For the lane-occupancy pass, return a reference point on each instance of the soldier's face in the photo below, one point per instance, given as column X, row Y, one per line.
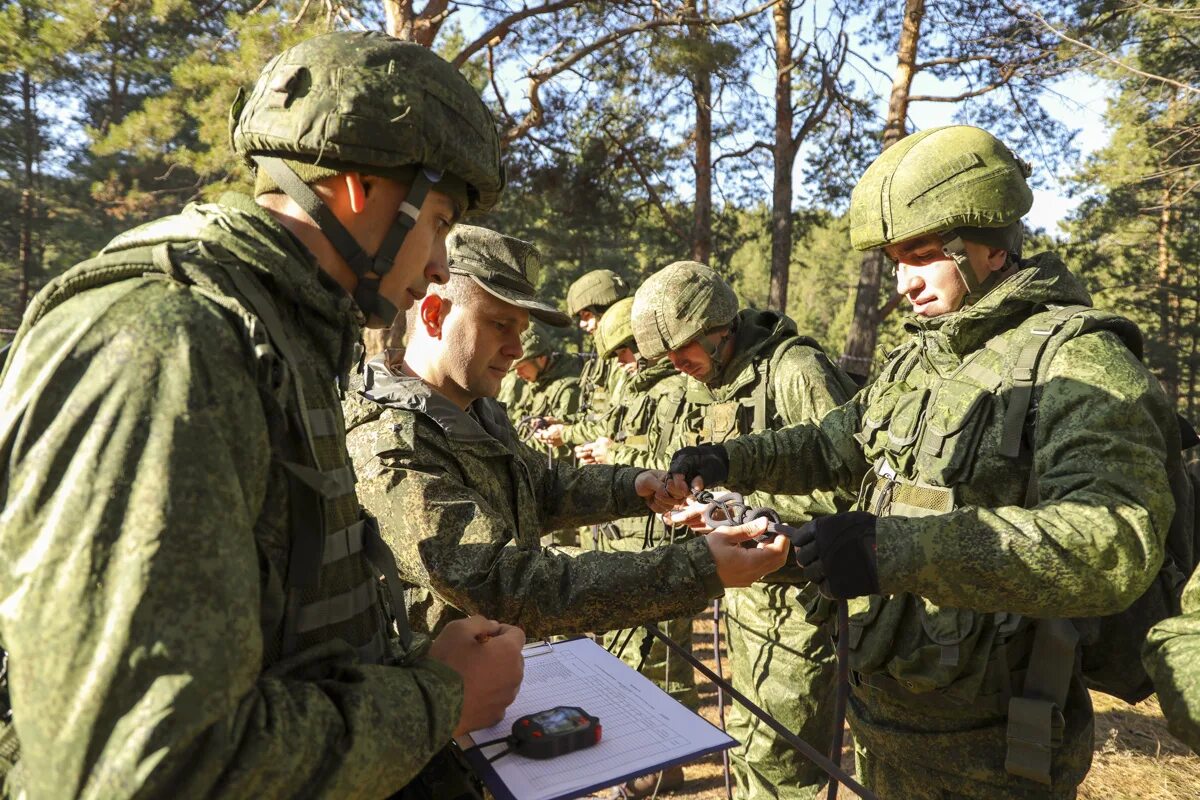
column 929, row 279
column 693, row 359
column 482, row 341
column 588, row 320
column 528, row 369
column 421, row 260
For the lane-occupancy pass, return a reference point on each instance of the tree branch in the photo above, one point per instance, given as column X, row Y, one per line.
column 501, row 29
column 655, row 198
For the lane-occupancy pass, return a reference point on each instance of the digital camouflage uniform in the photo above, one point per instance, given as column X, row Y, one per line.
column 966, row 558
column 188, row 606
column 601, row 377
column 463, row 504
column 554, row 393
column 782, row 662
column 1172, row 658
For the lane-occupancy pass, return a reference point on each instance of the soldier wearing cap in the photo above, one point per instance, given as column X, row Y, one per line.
column 751, row 371
column 190, row 590
column 463, row 503
column 1012, row 460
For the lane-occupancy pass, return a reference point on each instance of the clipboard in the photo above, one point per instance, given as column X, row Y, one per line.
column 645, row 729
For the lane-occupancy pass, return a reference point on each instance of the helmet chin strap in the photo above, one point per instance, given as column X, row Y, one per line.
column 714, row 352
column 955, row 248
column 380, row 312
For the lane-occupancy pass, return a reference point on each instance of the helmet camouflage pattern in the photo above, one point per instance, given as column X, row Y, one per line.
column 599, row 288
column 956, row 180
column 616, row 328
column 366, row 102
column 677, row 304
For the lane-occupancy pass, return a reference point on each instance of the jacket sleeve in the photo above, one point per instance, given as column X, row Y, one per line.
column 446, row 536
column 1172, row 659
column 1091, row 546
column 801, row 458
column 805, row 388
column 133, row 590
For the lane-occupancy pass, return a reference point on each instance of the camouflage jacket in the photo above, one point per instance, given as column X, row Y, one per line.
column 145, row 540
column 555, row 393
column 600, row 385
column 964, row 560
column 652, row 405
column 463, row 504
column 1172, row 658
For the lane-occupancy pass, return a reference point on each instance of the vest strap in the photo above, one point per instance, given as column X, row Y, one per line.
column 1035, row 719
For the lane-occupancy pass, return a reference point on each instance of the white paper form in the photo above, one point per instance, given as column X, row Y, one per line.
column 643, row 728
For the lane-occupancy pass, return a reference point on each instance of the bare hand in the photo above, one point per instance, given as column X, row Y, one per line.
column 594, row 452
column 488, row 656
column 551, row 435
column 691, row 514
column 741, row 566
column 660, row 493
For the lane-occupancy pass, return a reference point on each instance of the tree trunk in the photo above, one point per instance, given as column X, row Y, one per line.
column 29, row 155
column 1166, row 319
column 401, row 21
column 702, row 226
column 785, row 156
column 864, row 326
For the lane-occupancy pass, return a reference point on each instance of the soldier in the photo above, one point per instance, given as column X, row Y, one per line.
column 1172, row 658
column 189, row 588
column 750, row 371
column 552, row 379
column 987, row 499
column 462, row 503
column 587, row 299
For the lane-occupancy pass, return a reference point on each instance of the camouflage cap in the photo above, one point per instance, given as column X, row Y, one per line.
column 677, row 304
column 365, row 101
column 599, row 288
column 505, row 267
column 953, row 179
column 615, row 329
column 535, row 342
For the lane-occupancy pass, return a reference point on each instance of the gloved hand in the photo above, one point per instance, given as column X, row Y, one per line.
column 837, row 553
column 709, row 462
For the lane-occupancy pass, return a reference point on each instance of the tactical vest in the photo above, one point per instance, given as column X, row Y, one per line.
column 648, row 423
column 925, row 440
column 593, row 385
column 330, row 551
column 720, row 421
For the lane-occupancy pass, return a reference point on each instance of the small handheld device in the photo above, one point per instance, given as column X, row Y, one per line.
column 554, row 732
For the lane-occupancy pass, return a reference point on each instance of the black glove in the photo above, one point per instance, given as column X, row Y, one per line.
column 838, row 554
column 709, row 461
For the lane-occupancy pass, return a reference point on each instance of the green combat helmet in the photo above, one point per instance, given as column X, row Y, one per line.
column 534, row 343
column 958, row 181
column 599, row 288
column 366, row 102
column 677, row 304
column 615, row 329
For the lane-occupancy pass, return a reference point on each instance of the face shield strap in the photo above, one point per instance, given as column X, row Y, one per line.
column 410, row 211
column 303, row 195
column 954, row 248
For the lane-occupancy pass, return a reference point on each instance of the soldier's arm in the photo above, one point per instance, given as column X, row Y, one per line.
column 1172, row 659
column 584, row 430
column 801, row 458
column 446, row 536
column 1095, row 539
column 806, row 388
column 133, row 586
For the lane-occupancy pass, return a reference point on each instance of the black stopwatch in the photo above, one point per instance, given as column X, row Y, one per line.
column 554, row 732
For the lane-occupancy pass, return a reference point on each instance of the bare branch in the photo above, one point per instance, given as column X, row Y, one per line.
column 745, row 151
column 497, row 32
column 1115, row 61
column 655, row 197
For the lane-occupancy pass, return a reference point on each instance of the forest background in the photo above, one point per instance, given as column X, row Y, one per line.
column 643, row 132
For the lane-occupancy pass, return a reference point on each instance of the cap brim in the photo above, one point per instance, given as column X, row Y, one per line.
column 537, row 309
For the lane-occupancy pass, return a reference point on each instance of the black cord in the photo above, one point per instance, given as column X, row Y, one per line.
column 502, row 753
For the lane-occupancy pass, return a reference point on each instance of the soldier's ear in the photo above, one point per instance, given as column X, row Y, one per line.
column 432, row 315
column 356, row 191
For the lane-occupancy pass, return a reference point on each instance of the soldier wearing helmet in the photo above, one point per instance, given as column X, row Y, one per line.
column 552, row 377
column 587, row 300
column 750, row 371
column 190, row 587
column 1010, row 462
